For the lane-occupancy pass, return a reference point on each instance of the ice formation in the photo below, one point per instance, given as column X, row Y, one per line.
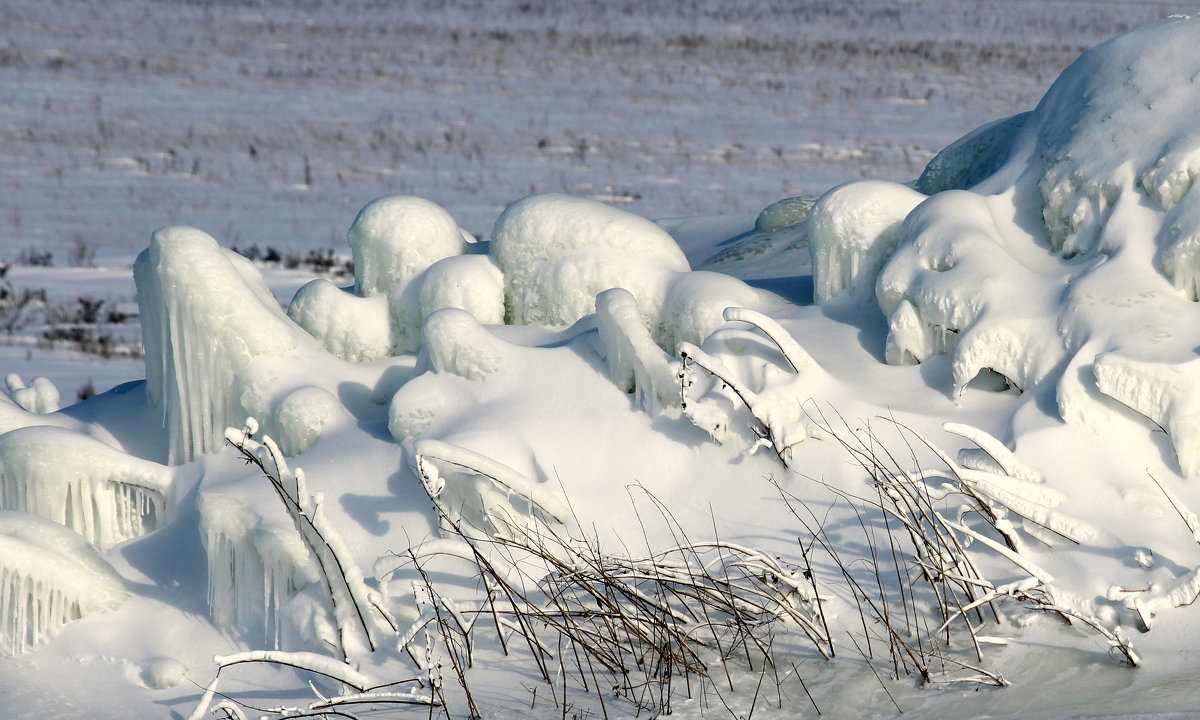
column 407, row 264
column 354, row 328
column 49, row 576
column 397, row 237
column 853, row 230
column 558, row 252
column 99, row 492
column 635, row 363
column 205, row 315
column 1073, row 240
column 254, row 568
column 421, row 401
column 455, row 342
column 39, row 397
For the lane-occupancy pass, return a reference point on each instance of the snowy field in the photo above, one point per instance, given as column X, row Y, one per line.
column 908, row 445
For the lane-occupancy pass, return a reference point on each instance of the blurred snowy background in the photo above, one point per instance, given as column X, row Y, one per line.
column 274, row 122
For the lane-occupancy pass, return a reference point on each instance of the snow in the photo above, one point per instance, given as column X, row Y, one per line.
column 907, row 440
column 1070, row 251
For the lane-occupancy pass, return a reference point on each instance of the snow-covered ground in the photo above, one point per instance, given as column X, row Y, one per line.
column 882, row 450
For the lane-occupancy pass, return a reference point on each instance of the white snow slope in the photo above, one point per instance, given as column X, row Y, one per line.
column 944, row 466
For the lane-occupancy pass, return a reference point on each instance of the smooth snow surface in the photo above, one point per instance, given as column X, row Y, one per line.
column 903, row 441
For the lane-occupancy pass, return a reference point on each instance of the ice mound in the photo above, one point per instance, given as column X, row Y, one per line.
column 397, row 237
column 40, row 396
column 205, row 315
column 455, row 342
column 353, row 328
column 99, row 492
column 472, row 283
column 49, row 576
column 558, row 252
column 1074, row 238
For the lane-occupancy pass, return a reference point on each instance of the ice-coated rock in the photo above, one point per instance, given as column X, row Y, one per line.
column 971, row 158
column 784, row 213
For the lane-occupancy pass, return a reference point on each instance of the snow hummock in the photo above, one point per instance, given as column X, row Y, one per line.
column 49, row 576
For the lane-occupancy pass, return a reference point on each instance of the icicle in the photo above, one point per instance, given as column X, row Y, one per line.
column 252, row 570
column 49, row 576
column 77, row 481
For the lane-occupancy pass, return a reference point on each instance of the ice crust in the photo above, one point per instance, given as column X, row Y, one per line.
column 1051, row 239
column 49, row 576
